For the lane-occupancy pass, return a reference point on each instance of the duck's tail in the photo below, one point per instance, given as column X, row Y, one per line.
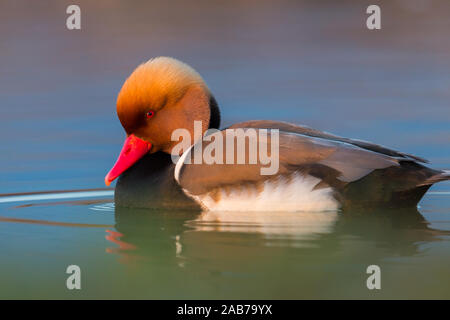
column 441, row 176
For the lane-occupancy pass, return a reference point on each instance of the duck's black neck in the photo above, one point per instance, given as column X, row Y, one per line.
column 214, row 120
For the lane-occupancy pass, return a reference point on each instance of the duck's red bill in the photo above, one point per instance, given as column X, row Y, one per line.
column 133, row 149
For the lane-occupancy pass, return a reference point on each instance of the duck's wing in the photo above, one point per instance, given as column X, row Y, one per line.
column 333, row 163
column 304, row 130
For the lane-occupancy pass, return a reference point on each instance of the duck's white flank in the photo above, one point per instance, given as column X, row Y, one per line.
column 295, row 194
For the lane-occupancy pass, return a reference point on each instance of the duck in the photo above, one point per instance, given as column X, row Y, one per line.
column 316, row 170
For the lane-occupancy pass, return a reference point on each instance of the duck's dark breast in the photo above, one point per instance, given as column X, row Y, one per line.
column 150, row 183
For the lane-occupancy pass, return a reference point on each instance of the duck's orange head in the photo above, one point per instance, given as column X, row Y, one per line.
column 160, row 96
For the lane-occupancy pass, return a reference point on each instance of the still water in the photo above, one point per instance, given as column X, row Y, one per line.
column 297, row 61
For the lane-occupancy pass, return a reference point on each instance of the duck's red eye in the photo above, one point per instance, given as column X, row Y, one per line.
column 150, row 114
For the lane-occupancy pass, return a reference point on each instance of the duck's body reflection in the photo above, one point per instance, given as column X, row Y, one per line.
column 286, row 255
column 296, row 225
column 400, row 230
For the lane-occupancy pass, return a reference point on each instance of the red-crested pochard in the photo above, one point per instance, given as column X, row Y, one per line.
column 316, row 170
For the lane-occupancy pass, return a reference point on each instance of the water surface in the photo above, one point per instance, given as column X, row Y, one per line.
column 302, row 62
